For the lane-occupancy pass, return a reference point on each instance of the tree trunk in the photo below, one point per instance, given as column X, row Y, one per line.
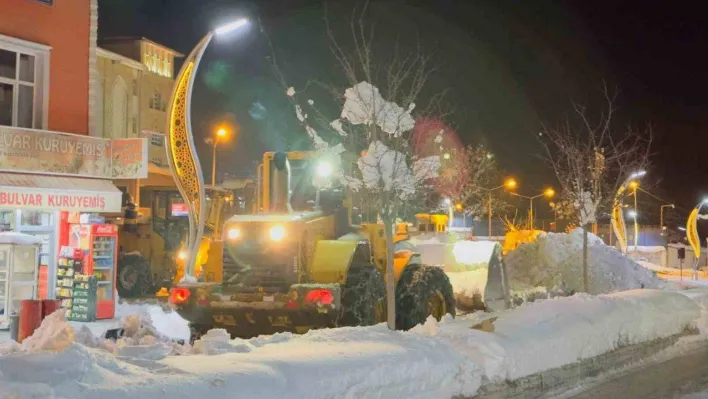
column 390, row 284
column 586, row 286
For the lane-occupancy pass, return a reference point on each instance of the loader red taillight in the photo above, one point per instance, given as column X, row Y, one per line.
column 179, row 295
column 324, row 297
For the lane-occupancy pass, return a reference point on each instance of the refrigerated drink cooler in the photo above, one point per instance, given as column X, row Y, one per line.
column 99, row 245
column 19, row 257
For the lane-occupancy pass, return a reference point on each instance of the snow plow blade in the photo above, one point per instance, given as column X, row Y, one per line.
column 476, row 270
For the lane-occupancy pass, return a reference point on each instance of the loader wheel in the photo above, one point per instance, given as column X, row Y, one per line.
column 196, row 331
column 422, row 291
column 364, row 296
column 134, row 278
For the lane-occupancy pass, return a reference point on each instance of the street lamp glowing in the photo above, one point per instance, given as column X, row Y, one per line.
column 221, row 133
column 510, row 183
column 448, row 202
column 638, row 174
column 231, row 26
column 549, row 192
column 633, row 184
column 446, row 155
column 458, row 206
column 632, row 214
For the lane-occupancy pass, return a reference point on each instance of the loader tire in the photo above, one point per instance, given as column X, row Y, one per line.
column 422, row 291
column 134, row 279
column 364, row 297
column 196, row 331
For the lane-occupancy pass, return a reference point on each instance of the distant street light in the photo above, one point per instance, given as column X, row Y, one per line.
column 661, row 216
column 509, row 184
column 549, row 193
column 214, row 141
column 634, row 185
column 618, row 224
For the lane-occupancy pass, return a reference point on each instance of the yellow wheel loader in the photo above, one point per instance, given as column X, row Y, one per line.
column 151, row 240
column 299, row 264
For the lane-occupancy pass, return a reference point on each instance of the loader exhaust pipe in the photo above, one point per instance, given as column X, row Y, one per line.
column 281, row 183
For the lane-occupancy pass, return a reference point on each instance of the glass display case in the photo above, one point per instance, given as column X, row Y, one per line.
column 43, row 225
column 19, row 255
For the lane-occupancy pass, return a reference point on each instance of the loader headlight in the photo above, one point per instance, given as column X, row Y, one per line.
column 324, row 169
column 233, row 234
column 277, row 233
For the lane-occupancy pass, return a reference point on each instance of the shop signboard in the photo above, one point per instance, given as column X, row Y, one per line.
column 41, row 198
column 129, row 158
column 179, row 209
column 47, row 152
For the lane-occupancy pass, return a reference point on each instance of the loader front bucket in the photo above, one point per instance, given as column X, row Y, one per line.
column 476, row 270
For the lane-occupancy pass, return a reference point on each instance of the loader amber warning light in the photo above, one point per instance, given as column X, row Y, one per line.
column 179, row 295
column 323, row 297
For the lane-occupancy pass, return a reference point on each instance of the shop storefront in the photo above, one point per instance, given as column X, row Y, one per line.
column 47, row 179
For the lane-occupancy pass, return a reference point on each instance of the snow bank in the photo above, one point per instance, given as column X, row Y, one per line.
column 165, row 321
column 555, row 260
column 561, row 331
column 370, row 362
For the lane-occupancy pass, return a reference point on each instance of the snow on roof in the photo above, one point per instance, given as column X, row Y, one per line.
column 10, row 237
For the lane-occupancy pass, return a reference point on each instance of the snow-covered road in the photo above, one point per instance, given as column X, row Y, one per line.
column 683, row 377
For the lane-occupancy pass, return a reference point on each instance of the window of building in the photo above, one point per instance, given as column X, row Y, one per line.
column 157, row 140
column 157, row 102
column 157, row 60
column 22, row 88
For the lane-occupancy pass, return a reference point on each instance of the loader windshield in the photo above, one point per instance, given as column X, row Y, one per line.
column 303, row 191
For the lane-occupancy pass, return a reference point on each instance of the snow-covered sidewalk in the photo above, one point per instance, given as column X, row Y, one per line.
column 436, row 360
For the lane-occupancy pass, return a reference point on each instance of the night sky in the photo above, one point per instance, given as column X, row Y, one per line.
column 508, row 65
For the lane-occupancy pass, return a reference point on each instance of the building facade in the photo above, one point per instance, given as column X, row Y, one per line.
column 44, row 65
column 135, row 80
column 53, row 164
column 136, row 77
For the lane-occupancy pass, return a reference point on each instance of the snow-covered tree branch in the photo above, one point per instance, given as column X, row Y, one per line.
column 369, row 140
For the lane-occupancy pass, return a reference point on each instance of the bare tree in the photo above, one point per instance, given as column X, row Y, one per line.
column 465, row 178
column 370, row 141
column 592, row 159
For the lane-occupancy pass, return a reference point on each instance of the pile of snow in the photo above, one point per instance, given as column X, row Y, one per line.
column 56, row 334
column 656, row 268
column 434, row 360
column 469, row 288
column 555, row 260
column 166, row 321
column 556, row 332
column 370, row 362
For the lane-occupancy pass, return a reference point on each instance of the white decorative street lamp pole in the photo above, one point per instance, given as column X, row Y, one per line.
column 181, row 151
